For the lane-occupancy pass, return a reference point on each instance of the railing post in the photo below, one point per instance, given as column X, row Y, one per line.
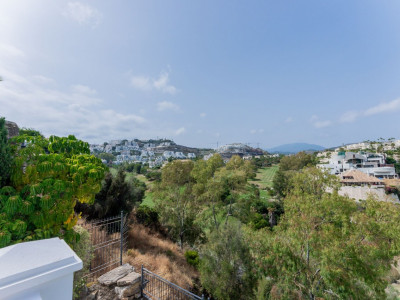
column 122, row 237
column 142, row 284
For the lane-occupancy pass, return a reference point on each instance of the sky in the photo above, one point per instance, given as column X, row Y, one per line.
column 203, row 72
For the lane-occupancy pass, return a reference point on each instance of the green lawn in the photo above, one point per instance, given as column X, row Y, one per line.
column 148, row 199
column 148, row 196
column 265, row 176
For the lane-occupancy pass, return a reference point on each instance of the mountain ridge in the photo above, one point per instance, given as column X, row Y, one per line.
column 295, row 148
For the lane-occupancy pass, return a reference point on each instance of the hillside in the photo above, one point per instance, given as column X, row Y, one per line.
column 227, row 151
column 295, row 147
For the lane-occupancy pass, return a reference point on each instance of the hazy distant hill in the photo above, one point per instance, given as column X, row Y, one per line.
column 295, row 147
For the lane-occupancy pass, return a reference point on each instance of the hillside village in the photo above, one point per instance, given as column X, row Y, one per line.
column 155, row 153
column 365, row 168
column 152, row 152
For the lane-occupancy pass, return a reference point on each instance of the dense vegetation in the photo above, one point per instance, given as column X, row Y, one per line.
column 249, row 236
column 303, row 243
column 48, row 176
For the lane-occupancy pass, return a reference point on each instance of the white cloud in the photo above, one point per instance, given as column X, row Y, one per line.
column 383, row 108
column 349, row 116
column 8, row 50
column 321, row 124
column 43, row 79
column 318, row 123
column 289, row 120
column 161, row 83
column 83, row 14
column 180, row 131
column 254, row 131
column 78, row 110
column 203, row 115
column 166, row 105
column 83, row 89
column 141, row 83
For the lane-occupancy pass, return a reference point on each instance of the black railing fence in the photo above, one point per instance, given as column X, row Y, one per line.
column 157, row 288
column 109, row 240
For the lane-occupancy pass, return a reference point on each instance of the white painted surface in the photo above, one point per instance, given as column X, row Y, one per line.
column 38, row 270
column 363, row 192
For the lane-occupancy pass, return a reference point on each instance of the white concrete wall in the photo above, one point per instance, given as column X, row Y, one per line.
column 362, row 193
column 38, row 270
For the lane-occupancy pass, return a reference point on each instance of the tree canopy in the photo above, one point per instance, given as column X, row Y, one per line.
column 48, row 177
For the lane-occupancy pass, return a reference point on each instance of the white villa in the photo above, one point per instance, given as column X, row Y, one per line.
column 369, row 163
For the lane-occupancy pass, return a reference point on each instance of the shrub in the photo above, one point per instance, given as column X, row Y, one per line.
column 147, row 216
column 192, row 257
column 84, row 249
column 153, row 176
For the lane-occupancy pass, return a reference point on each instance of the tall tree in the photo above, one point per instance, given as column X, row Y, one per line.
column 116, row 194
column 226, row 268
column 176, row 203
column 5, row 154
column 327, row 246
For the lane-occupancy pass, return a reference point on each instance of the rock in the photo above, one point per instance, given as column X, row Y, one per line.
column 12, row 128
column 113, row 276
column 92, row 296
column 119, row 291
column 132, row 289
column 129, row 279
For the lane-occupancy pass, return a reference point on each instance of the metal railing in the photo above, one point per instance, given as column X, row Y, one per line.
column 157, row 288
column 109, row 239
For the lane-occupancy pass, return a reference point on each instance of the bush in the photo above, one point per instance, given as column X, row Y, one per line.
column 84, row 249
column 192, row 257
column 147, row 216
column 153, row 176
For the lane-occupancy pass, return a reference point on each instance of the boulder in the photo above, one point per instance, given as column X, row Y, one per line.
column 113, row 276
column 129, row 279
column 12, row 128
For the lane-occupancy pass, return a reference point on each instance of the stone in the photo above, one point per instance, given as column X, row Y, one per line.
column 92, row 296
column 119, row 291
column 113, row 276
column 12, row 128
column 129, row 279
column 132, row 289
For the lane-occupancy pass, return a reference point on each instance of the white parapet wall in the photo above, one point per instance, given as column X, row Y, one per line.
column 38, row 270
column 363, row 192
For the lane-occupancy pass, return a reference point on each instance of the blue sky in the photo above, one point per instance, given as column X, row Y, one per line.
column 202, row 72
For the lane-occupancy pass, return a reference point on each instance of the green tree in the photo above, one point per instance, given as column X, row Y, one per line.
column 327, row 246
column 296, row 162
column 116, row 194
column 30, row 132
column 48, row 177
column 226, row 268
column 176, row 203
column 106, row 156
column 5, row 154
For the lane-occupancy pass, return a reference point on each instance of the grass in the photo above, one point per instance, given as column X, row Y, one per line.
column 265, row 176
column 160, row 256
column 148, row 196
column 148, row 199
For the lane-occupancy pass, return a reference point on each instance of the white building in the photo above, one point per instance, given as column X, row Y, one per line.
column 191, row 155
column 369, row 163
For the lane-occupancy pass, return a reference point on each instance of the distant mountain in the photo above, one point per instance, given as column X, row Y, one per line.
column 294, row 148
